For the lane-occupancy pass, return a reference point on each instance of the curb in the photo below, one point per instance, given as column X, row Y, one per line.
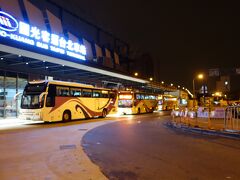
column 202, row 131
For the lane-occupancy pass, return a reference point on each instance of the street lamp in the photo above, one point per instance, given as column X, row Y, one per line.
column 136, row 74
column 150, row 78
column 199, row 76
column 226, row 89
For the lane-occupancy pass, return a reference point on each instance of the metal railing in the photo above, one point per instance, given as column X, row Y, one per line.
column 232, row 118
column 220, row 118
column 203, row 117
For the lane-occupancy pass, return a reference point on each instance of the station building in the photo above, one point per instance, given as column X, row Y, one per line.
column 40, row 40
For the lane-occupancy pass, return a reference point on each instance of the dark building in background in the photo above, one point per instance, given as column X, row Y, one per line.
column 225, row 80
column 142, row 64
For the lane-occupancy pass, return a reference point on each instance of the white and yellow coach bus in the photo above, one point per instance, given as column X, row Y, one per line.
column 64, row 101
column 130, row 102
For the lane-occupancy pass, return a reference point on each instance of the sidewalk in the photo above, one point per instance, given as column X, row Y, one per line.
column 4, row 121
column 13, row 122
column 52, row 152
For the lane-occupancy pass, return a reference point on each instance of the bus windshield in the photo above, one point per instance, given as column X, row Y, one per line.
column 30, row 98
column 124, row 103
column 30, row 102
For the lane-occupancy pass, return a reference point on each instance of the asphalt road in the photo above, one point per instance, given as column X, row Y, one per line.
column 142, row 147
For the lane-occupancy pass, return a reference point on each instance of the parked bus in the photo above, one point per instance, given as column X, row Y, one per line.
column 167, row 102
column 130, row 102
column 63, row 101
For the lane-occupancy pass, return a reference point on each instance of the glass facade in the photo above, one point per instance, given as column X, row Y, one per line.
column 11, row 84
column 2, row 96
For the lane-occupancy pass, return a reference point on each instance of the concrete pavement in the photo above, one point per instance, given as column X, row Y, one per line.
column 48, row 153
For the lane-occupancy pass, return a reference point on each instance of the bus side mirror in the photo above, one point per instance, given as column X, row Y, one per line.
column 112, row 95
column 41, row 96
column 16, row 96
column 135, row 102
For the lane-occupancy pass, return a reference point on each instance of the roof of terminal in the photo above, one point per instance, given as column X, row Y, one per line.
column 24, row 61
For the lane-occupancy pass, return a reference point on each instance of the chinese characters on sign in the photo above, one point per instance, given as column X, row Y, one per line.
column 31, row 35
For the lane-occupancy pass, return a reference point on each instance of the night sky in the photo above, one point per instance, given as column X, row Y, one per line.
column 183, row 37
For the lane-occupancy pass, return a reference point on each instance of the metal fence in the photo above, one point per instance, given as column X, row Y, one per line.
column 218, row 118
column 232, row 118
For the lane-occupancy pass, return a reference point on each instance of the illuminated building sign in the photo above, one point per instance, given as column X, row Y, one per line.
column 22, row 32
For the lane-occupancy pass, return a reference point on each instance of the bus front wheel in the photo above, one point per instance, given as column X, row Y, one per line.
column 151, row 110
column 104, row 113
column 66, row 116
column 139, row 111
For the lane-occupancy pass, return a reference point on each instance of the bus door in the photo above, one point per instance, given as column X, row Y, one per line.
column 96, row 104
column 96, row 96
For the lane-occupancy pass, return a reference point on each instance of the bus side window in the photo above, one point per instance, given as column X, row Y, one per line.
column 59, row 92
column 63, row 91
column 50, row 100
column 86, row 93
column 75, row 92
column 152, row 97
column 104, row 94
column 96, row 93
column 138, row 96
